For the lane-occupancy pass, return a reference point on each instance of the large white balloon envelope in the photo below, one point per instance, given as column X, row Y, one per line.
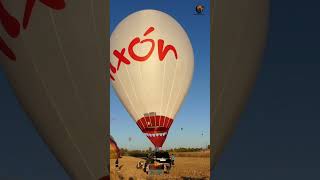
column 151, row 68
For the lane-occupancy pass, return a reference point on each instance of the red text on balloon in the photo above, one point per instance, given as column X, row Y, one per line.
column 162, row 51
column 12, row 25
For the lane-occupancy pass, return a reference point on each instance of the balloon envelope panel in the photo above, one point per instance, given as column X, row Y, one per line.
column 239, row 34
column 59, row 78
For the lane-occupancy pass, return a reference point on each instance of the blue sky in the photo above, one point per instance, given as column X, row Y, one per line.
column 194, row 115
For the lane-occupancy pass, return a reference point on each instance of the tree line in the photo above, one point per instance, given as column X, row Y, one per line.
column 144, row 153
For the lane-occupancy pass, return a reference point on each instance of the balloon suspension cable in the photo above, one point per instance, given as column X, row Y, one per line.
column 157, row 149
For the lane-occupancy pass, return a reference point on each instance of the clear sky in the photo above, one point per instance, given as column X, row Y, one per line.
column 278, row 134
column 194, row 115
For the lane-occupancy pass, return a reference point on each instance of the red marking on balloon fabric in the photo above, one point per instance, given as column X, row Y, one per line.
column 10, row 23
column 6, row 50
column 163, row 52
column 54, row 4
column 136, row 41
column 148, row 31
column 12, row 27
column 121, row 57
column 111, row 77
column 112, row 68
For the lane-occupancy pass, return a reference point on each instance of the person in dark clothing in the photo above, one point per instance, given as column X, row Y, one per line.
column 172, row 159
column 117, row 163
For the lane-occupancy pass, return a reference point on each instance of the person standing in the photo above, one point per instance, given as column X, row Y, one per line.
column 172, row 159
column 117, row 164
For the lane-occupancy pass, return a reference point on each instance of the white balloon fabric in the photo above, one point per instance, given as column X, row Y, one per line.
column 238, row 39
column 54, row 54
column 151, row 68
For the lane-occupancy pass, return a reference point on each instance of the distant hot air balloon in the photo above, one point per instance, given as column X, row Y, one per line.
column 114, row 149
column 151, row 70
column 238, row 40
column 54, row 54
column 199, row 9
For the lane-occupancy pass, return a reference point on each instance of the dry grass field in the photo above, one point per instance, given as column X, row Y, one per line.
column 195, row 166
column 205, row 154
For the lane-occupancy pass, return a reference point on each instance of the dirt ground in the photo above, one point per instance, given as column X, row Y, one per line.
column 185, row 168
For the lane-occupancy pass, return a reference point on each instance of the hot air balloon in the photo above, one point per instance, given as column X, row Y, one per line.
column 199, row 9
column 238, row 40
column 54, row 55
column 151, row 68
column 114, row 149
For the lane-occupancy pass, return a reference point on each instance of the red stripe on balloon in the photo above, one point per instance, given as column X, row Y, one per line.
column 157, row 131
column 157, row 120
column 140, row 125
column 170, row 123
column 153, row 121
column 143, row 121
column 166, row 122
